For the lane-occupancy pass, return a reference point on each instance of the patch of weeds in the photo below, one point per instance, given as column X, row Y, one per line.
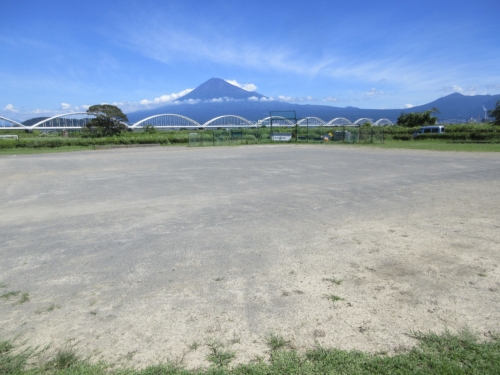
column 93, row 312
column 49, row 308
column 482, row 274
column 333, row 280
column 257, row 359
column 130, row 355
column 333, row 297
column 236, row 339
column 8, row 295
column 25, row 297
column 292, row 272
column 3, row 285
column 276, row 342
column 218, row 356
column 13, row 362
column 64, row 359
column 194, row 346
column 219, row 279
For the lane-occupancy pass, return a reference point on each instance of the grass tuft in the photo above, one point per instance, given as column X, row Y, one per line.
column 333, row 280
column 218, row 356
column 49, row 308
column 25, row 297
column 8, row 295
column 64, row 359
column 276, row 342
column 333, row 297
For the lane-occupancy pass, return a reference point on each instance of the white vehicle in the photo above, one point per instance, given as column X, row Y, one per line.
column 429, row 129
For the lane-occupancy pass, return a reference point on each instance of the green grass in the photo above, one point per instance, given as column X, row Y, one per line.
column 333, row 297
column 25, row 297
column 49, row 308
column 333, row 280
column 64, row 359
column 436, row 145
column 461, row 353
column 43, row 150
column 217, row 356
column 8, row 295
column 275, row 342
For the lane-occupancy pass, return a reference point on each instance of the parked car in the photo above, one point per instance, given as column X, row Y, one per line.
column 429, row 129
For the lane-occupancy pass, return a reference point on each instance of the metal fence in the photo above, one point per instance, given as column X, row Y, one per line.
column 337, row 134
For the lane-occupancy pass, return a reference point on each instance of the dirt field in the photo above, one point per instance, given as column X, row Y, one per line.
column 137, row 255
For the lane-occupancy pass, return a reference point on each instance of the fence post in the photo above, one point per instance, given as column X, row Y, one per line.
column 371, row 135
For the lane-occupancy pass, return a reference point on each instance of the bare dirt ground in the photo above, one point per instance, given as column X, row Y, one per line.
column 136, row 255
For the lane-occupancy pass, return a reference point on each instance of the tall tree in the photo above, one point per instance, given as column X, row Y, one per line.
column 418, row 118
column 495, row 113
column 109, row 119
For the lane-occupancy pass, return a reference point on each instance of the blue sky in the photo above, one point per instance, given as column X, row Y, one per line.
column 61, row 56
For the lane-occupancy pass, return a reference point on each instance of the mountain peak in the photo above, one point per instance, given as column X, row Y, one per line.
column 217, row 88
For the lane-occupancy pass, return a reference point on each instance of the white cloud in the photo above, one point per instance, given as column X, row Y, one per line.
column 253, row 98
column 10, row 108
column 190, row 101
column 245, row 86
column 330, row 99
column 455, row 88
column 409, row 105
column 282, row 98
column 65, row 106
column 264, row 99
column 165, row 98
column 470, row 90
column 374, row 91
column 371, row 92
column 216, row 100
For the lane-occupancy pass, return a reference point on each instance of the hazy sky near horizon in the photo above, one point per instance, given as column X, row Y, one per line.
column 60, row 56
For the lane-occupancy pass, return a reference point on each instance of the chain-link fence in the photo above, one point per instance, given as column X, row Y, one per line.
column 336, row 134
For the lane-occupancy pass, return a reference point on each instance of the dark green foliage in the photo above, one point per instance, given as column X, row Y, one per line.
column 418, row 118
column 372, row 134
column 109, row 120
column 495, row 113
column 460, row 136
column 150, row 129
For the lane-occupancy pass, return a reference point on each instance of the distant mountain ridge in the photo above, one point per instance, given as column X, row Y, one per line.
column 217, row 97
column 453, row 107
column 216, row 88
column 33, row 121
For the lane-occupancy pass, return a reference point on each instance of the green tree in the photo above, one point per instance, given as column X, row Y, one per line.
column 109, row 120
column 495, row 113
column 414, row 119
